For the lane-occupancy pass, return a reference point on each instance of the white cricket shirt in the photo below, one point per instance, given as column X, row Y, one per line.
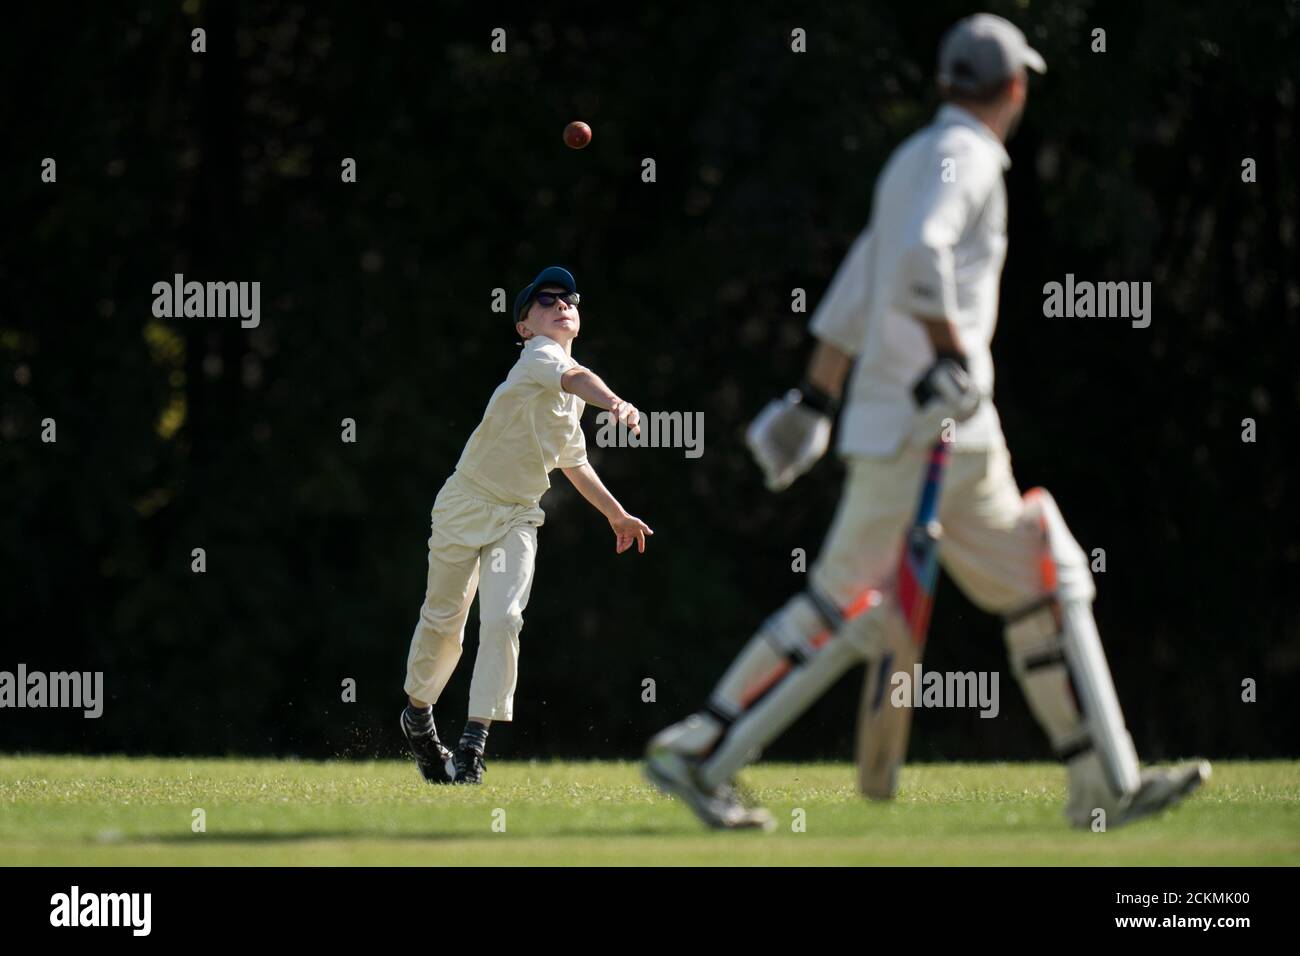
column 531, row 427
column 934, row 246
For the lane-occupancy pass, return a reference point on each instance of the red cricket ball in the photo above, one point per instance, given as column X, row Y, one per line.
column 577, row 135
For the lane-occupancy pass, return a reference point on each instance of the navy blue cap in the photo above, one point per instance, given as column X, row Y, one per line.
column 551, row 275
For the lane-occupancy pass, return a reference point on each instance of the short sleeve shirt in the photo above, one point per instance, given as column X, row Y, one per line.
column 531, row 426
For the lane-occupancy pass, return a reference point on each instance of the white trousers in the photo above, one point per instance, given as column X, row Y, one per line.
column 1005, row 551
column 993, row 544
column 475, row 544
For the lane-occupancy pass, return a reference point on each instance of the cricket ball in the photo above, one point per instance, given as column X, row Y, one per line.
column 577, row 135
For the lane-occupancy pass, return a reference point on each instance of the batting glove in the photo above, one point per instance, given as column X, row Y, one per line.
column 944, row 392
column 789, row 436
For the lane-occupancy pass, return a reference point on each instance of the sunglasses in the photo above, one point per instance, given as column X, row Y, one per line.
column 548, row 299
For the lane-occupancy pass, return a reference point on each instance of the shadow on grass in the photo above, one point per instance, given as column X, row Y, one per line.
column 258, row 836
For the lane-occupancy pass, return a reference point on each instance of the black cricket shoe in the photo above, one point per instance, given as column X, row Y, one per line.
column 432, row 759
column 469, row 765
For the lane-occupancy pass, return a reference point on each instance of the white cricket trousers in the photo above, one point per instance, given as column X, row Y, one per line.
column 475, row 544
column 993, row 544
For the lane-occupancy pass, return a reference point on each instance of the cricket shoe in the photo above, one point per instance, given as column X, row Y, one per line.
column 468, row 765
column 432, row 759
column 720, row 808
column 1161, row 788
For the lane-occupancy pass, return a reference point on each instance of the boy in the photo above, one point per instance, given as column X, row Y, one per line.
column 485, row 522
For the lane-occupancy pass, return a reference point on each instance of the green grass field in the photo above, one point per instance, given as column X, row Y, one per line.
column 120, row 811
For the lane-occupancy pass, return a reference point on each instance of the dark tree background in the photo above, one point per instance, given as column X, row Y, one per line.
column 225, row 165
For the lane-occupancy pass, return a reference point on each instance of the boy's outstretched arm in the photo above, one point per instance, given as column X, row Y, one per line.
column 591, row 388
column 626, row 527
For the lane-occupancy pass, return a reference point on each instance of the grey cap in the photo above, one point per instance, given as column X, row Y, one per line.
column 982, row 51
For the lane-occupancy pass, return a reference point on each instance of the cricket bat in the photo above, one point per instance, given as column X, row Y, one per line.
column 883, row 728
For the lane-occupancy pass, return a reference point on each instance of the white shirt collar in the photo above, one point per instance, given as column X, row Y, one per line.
column 537, row 341
column 951, row 113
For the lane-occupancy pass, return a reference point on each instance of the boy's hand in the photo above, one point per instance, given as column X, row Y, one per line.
column 625, row 413
column 628, row 529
